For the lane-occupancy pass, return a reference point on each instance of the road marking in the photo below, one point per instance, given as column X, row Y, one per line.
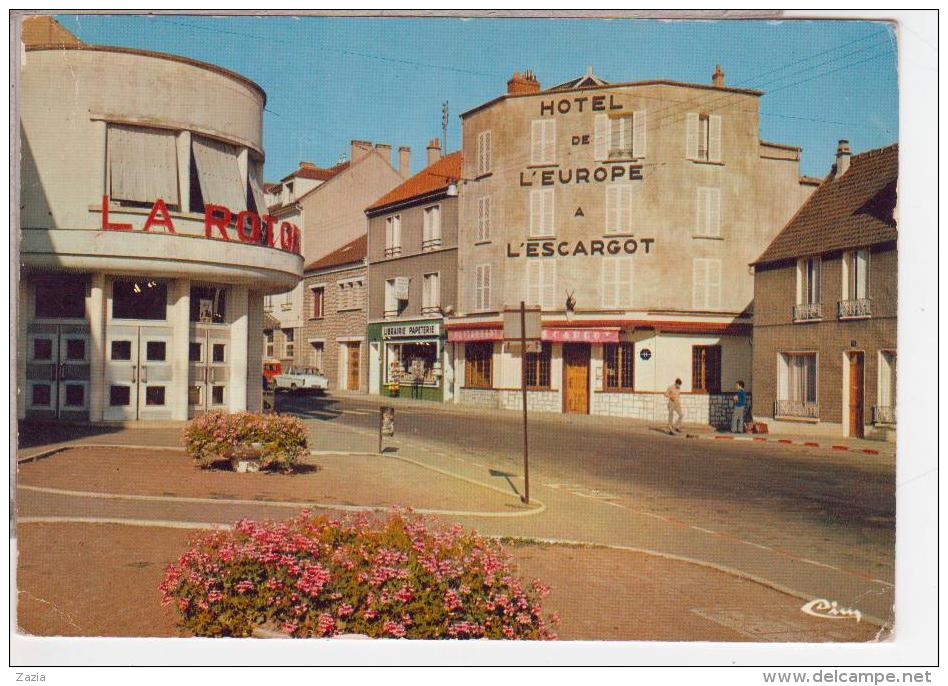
column 609, row 502
column 357, row 412
column 818, row 564
column 654, row 516
column 159, row 523
column 757, row 545
column 707, row 531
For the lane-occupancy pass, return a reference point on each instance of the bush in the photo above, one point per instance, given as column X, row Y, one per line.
column 384, row 576
column 219, row 436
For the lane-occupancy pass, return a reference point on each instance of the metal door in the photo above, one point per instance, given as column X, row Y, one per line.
column 138, row 373
column 154, row 373
column 57, row 371
column 208, row 370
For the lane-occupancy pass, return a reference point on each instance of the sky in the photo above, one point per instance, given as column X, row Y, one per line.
column 332, row 79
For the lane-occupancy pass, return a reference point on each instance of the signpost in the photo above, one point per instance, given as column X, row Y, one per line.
column 386, row 423
column 523, row 326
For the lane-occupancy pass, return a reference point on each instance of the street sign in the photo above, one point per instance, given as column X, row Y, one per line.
column 531, row 319
column 645, row 354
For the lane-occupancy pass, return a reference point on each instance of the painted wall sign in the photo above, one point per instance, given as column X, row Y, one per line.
column 612, row 246
column 645, row 354
column 550, row 177
column 470, row 335
column 410, row 330
column 580, row 335
column 583, row 103
column 249, row 226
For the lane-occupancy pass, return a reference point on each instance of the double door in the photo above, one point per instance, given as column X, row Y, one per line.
column 57, row 371
column 138, row 373
column 208, row 370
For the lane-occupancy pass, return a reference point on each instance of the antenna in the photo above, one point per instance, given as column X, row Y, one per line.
column 444, row 126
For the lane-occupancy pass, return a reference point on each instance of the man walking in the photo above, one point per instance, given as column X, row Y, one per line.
column 740, row 406
column 673, row 393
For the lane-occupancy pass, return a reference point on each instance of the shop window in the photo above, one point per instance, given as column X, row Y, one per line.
column 706, row 369
column 42, row 395
column 75, row 349
column 208, row 304
column 620, row 366
column 538, row 367
column 155, row 395
column 319, row 301
column 156, row 351
column 121, row 350
column 195, row 352
column 42, row 349
column 217, row 352
column 60, row 298
column 413, row 363
column 120, row 396
column 143, row 166
column 477, row 364
column 75, row 395
column 142, row 299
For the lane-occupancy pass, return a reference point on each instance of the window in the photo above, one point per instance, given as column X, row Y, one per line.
column 75, row 395
column 483, row 153
column 156, row 351
column 120, row 396
column 538, row 367
column 154, row 395
column 255, row 196
column 208, row 304
column 431, row 230
column 139, row 300
column 60, row 298
column 619, row 208
column 620, row 137
column 218, row 173
column 75, row 349
column 217, row 395
column 617, row 286
column 703, row 137
column 289, row 345
column 217, row 352
column 884, row 412
column 541, row 212
column 143, row 166
column 268, row 339
column 706, row 369
column 195, row 352
column 482, row 287
column 42, row 395
column 287, row 303
column 541, row 283
column 620, row 366
column 797, row 385
column 316, row 355
column 706, row 275
column 319, row 301
column 708, row 212
column 396, row 295
column 431, row 293
column 483, row 219
column 477, row 364
column 393, row 236
column 855, row 300
column 268, row 303
column 43, row 349
column 543, row 141
column 412, row 363
column 121, row 350
column 808, row 290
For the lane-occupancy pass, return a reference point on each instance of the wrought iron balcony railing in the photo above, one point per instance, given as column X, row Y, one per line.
column 851, row 309
column 393, row 251
column 806, row 312
column 797, row 409
column 431, row 244
column 883, row 414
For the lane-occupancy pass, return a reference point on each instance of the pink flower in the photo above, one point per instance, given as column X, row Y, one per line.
column 394, row 629
column 344, row 610
column 325, row 625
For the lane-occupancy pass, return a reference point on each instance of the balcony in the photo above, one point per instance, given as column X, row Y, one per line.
column 808, row 312
column 883, row 414
column 854, row 309
column 393, row 251
column 431, row 244
column 796, row 409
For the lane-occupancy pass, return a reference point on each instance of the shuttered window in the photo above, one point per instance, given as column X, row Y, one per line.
column 482, row 285
column 483, row 219
column 143, row 165
column 708, row 212
column 619, row 208
column 541, row 212
column 219, row 173
column 601, row 137
column 431, row 293
column 483, row 152
column 617, row 281
column 638, row 135
column 703, row 137
column 707, row 283
column 541, row 284
column 543, row 141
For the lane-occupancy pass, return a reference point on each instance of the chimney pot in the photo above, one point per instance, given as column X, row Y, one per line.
column 404, row 161
column 843, row 155
column 717, row 78
column 434, row 151
column 523, row 83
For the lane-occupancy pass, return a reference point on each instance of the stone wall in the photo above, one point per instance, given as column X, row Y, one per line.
column 509, row 399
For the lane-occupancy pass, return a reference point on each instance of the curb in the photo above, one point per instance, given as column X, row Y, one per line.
column 789, row 441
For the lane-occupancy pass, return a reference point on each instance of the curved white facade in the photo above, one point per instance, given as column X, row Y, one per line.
column 145, row 246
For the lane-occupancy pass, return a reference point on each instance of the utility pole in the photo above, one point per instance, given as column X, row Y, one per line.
column 523, row 391
column 444, row 126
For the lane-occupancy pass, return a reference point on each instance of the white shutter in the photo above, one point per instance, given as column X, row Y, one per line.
column 219, row 173
column 714, row 285
column 549, row 141
column 701, row 212
column 536, row 210
column 397, row 231
column 601, row 136
column 143, row 164
column 486, row 298
column 700, row 283
column 609, row 281
column 479, row 232
column 486, row 230
column 691, row 136
column 612, row 193
column 638, row 136
column 478, row 286
column 434, row 293
column 548, row 281
column 714, row 138
column 534, row 268
column 625, row 208
column 624, row 267
column 862, row 274
column 436, row 222
column 536, row 141
column 547, row 225
column 487, row 152
column 714, row 211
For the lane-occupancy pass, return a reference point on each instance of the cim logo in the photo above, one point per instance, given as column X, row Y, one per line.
column 251, row 227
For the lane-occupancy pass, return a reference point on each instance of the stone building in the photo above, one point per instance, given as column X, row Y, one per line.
column 628, row 212
column 334, row 311
column 825, row 306
column 412, row 257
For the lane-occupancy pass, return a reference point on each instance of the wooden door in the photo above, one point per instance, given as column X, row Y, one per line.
column 576, row 377
column 353, row 352
column 856, row 423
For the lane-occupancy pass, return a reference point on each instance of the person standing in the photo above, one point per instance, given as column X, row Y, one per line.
column 673, row 393
column 740, row 407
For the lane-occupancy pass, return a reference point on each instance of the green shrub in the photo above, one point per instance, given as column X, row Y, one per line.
column 281, row 440
column 385, row 576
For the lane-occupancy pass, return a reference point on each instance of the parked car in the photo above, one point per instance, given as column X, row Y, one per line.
column 301, row 379
column 271, row 368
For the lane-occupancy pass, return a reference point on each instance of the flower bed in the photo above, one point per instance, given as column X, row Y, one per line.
column 384, row 576
column 271, row 440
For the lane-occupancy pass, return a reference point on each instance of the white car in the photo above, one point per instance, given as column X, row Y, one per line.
column 300, row 379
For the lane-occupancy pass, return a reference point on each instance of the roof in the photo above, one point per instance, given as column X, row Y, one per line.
column 308, row 170
column 44, row 30
column 271, row 187
column 270, row 322
column 854, row 210
column 429, row 180
column 584, row 81
column 353, row 251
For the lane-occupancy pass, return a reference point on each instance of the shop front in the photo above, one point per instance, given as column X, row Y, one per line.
column 412, row 359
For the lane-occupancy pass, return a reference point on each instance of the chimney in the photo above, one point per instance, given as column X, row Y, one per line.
column 717, row 78
column 434, row 151
column 359, row 150
column 385, row 151
column 523, row 83
column 404, row 161
column 843, row 154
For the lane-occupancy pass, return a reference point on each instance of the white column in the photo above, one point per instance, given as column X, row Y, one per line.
column 237, row 301
column 95, row 313
column 255, row 351
column 181, row 337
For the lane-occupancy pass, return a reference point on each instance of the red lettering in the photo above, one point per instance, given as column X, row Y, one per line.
column 270, row 221
column 106, row 225
column 219, row 216
column 165, row 220
column 254, row 235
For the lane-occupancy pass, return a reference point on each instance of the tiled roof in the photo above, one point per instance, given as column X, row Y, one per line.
column 271, row 187
column 308, row 171
column 855, row 210
column 429, row 180
column 350, row 252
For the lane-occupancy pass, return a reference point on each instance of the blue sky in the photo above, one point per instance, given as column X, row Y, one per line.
column 329, row 80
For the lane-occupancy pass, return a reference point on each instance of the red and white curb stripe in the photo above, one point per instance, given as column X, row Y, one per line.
column 790, row 441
